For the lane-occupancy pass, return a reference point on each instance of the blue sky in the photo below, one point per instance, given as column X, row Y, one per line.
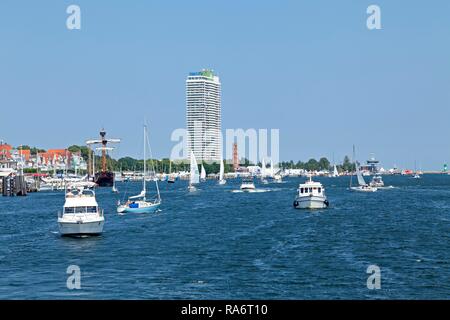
column 310, row 68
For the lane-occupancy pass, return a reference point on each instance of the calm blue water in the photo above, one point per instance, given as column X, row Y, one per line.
column 217, row 244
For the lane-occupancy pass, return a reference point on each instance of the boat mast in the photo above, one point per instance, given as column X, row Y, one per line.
column 104, row 142
column 145, row 160
column 353, row 161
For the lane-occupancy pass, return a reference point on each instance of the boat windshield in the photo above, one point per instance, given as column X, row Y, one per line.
column 89, row 209
column 310, row 189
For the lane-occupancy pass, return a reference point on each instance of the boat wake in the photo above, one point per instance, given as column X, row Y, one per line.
column 387, row 188
column 253, row 191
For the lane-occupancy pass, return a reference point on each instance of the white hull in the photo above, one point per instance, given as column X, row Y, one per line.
column 364, row 189
column 81, row 228
column 310, row 202
column 248, row 187
column 222, row 182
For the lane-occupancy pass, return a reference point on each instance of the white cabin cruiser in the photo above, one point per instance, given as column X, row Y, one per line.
column 277, row 178
column 377, row 182
column 248, row 185
column 311, row 195
column 82, row 215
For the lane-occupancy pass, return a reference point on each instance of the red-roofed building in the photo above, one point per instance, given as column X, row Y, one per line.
column 5, row 151
column 25, row 154
column 55, row 155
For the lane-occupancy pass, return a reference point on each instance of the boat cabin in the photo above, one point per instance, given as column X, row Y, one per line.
column 311, row 188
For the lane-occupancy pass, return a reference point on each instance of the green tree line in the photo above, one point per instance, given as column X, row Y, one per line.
column 165, row 165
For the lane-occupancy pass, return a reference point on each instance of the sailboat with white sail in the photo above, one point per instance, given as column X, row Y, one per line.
column 221, row 173
column 335, row 173
column 114, row 188
column 416, row 174
column 263, row 171
column 139, row 203
column 276, row 175
column 362, row 185
column 194, row 175
column 203, row 174
column 171, row 177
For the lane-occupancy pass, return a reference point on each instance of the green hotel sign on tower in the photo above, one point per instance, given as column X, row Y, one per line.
column 204, row 73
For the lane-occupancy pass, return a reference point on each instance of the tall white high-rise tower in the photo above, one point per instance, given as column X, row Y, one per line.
column 203, row 116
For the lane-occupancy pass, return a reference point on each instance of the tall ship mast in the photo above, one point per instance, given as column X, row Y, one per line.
column 105, row 177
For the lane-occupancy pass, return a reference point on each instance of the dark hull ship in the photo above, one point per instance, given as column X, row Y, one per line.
column 103, row 178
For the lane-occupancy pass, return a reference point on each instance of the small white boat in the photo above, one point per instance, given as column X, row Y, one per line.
column 171, row 178
column 311, row 195
column 248, row 185
column 222, row 180
column 416, row 173
column 277, row 178
column 377, row 182
column 194, row 177
column 82, row 215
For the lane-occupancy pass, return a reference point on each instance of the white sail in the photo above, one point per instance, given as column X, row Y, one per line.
column 335, row 172
column 263, row 168
column 194, row 176
column 141, row 195
column 272, row 172
column 222, row 170
column 361, row 180
column 203, row 173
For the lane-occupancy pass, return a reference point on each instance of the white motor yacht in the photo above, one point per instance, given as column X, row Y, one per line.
column 248, row 185
column 311, row 195
column 82, row 215
column 377, row 182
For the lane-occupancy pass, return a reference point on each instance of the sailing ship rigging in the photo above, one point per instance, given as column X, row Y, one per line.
column 105, row 177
